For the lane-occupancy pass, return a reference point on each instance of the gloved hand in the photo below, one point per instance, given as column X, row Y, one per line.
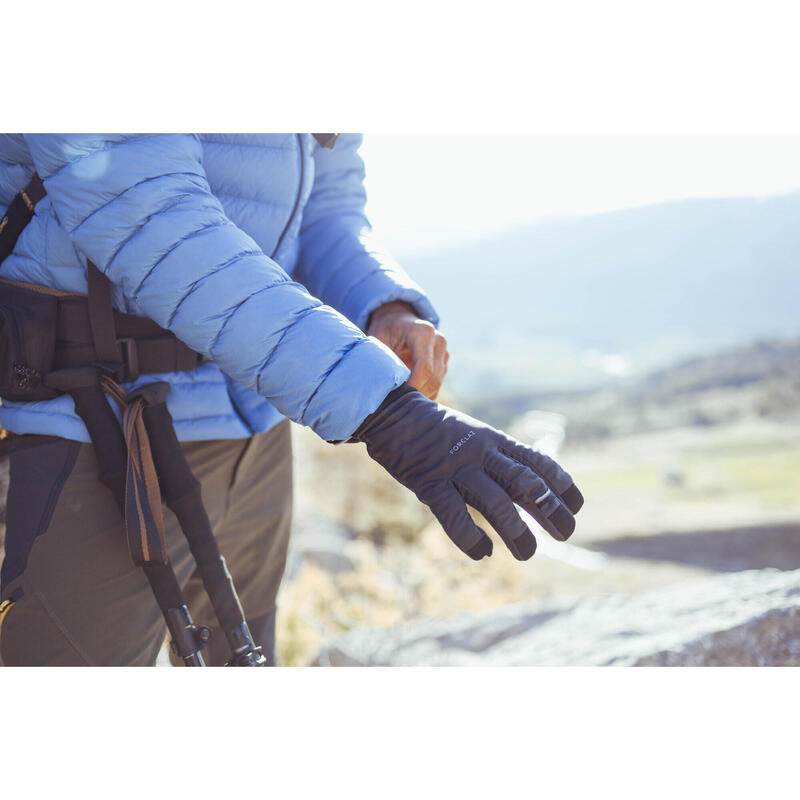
column 449, row 459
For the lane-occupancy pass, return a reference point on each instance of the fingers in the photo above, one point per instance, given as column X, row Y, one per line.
column 421, row 343
column 440, row 359
column 415, row 341
column 555, row 477
column 573, row 499
column 483, row 494
column 529, row 491
column 453, row 516
column 429, row 358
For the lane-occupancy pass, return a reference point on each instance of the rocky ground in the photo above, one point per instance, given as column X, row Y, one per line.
column 667, row 512
column 747, row 619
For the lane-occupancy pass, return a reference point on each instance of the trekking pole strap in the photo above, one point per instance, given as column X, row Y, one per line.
column 136, row 502
column 144, row 519
column 125, row 462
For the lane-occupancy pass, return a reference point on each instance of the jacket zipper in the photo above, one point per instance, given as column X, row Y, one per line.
column 296, row 200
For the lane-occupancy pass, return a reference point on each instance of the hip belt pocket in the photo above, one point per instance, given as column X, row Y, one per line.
column 28, row 327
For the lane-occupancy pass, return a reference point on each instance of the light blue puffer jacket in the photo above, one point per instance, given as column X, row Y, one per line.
column 201, row 234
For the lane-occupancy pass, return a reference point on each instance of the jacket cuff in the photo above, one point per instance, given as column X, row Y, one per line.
column 364, row 427
column 354, row 390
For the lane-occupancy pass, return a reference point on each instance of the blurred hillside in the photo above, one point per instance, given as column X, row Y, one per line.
column 760, row 380
column 584, row 302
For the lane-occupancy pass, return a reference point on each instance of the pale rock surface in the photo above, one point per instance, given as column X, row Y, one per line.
column 744, row 619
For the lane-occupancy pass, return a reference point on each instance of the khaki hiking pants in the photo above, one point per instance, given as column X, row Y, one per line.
column 77, row 597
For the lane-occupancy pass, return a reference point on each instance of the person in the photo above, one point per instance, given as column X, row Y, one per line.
column 254, row 251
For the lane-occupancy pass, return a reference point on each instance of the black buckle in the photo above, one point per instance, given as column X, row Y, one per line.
column 130, row 359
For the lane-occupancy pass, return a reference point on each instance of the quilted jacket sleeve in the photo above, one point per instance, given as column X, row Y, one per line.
column 339, row 261
column 140, row 207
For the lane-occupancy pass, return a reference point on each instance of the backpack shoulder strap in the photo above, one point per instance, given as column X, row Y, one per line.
column 19, row 214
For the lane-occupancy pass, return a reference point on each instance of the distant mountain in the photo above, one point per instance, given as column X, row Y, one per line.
column 760, row 362
column 761, row 379
column 578, row 302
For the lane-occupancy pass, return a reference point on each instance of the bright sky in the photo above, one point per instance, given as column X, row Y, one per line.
column 431, row 191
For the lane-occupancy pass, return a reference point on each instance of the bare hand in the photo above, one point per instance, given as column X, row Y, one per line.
column 416, row 343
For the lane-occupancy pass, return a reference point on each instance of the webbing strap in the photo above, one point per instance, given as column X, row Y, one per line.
column 140, row 356
column 33, row 192
column 19, row 214
column 101, row 315
column 144, row 519
column 5, row 607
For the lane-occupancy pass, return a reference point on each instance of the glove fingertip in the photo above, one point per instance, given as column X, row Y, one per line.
column 524, row 546
column 563, row 523
column 573, row 499
column 482, row 549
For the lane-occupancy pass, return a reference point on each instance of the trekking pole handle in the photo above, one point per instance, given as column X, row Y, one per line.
column 187, row 638
column 246, row 653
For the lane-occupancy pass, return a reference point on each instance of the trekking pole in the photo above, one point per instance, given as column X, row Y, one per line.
column 91, row 405
column 181, row 492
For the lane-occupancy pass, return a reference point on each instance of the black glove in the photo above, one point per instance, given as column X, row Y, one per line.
column 448, row 459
